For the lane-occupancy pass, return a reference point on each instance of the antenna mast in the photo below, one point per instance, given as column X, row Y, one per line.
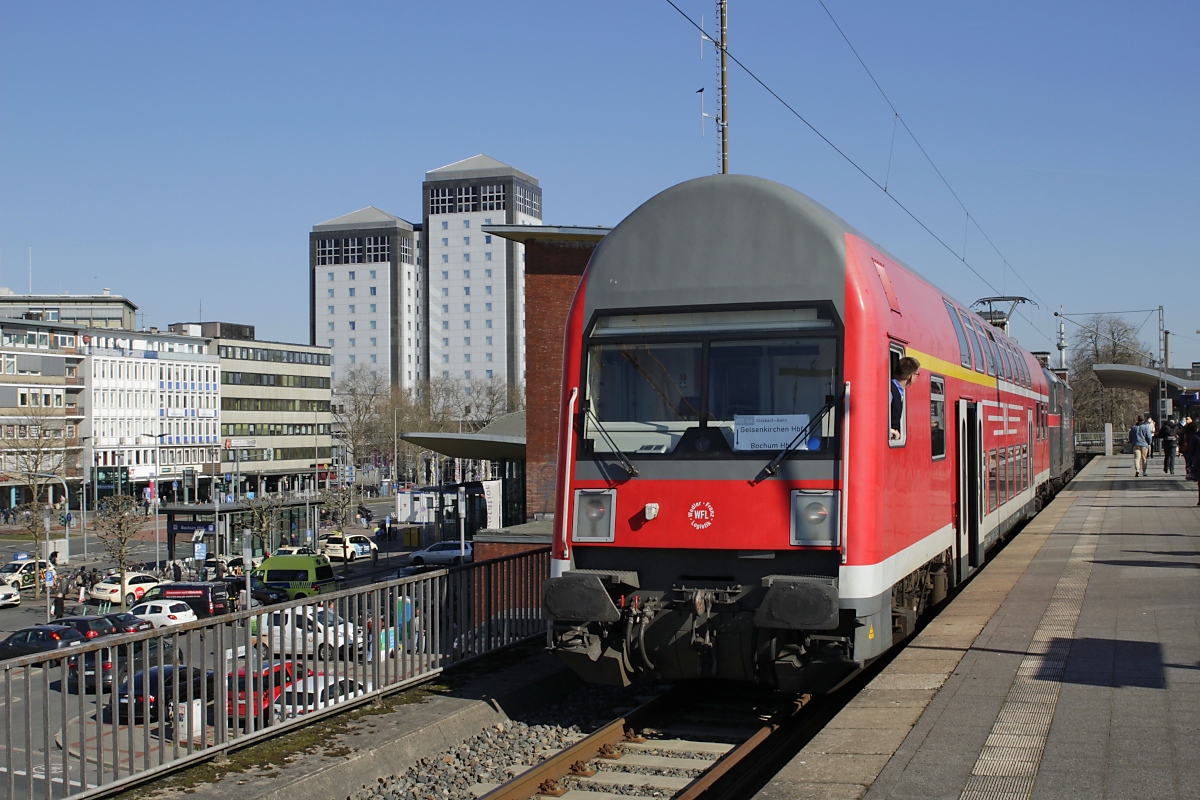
column 723, row 119
column 722, row 115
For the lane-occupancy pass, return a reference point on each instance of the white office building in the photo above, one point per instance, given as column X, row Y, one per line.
column 153, row 405
column 475, row 303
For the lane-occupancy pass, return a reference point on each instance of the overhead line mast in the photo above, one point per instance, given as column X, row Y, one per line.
column 723, row 120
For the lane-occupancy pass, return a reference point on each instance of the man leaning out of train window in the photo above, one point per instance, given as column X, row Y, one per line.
column 902, row 377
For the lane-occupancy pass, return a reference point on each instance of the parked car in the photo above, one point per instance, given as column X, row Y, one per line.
column 347, row 547
column 125, row 622
column 39, row 639
column 266, row 685
column 9, row 595
column 110, row 665
column 90, row 626
column 259, row 591
column 312, row 630
column 407, row 572
column 161, row 613
column 291, row 550
column 443, row 553
column 312, row 694
column 178, row 683
column 110, row 589
column 22, row 573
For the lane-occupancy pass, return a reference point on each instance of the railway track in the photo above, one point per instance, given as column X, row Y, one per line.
column 682, row 744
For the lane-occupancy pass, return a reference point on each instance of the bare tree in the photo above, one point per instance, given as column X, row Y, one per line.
column 264, row 519
column 1105, row 339
column 358, row 400
column 33, row 450
column 118, row 520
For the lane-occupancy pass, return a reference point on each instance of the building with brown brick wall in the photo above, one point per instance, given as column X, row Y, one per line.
column 555, row 257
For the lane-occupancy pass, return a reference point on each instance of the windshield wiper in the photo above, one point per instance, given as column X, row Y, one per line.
column 773, row 467
column 624, row 459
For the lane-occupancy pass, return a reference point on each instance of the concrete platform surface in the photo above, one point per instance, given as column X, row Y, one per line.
column 1069, row 668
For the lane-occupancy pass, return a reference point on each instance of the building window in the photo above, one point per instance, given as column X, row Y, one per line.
column 328, row 252
column 467, row 324
column 488, row 356
column 351, row 291
column 351, row 324
column 372, row 274
column 378, row 249
column 487, row 306
column 331, row 292
column 330, row 275
column 445, row 308
column 372, row 291
column 445, row 341
column 467, row 341
column 487, row 323
column 331, row 342
column 445, row 358
column 467, row 291
column 487, row 256
column 351, row 358
column 489, row 373
column 352, row 342
column 331, row 310
column 467, row 308
column 405, row 251
column 352, row 252
column 330, row 326
column 466, row 274
column 487, row 239
column 445, row 291
column 441, row 201
column 372, row 308
column 488, row 341
column 466, row 240
column 467, row 222
column 445, row 225
column 351, row 274
column 445, row 324
column 492, row 199
column 372, row 341
column 466, row 256
column 468, row 199
column 487, row 289
column 351, row 308
column 467, row 374
column 445, row 242
column 445, row 258
column 372, row 324
column 445, row 275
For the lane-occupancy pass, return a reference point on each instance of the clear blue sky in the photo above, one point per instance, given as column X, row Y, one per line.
column 179, row 154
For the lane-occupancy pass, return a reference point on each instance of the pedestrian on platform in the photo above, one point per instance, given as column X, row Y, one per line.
column 1139, row 437
column 176, row 571
column 1168, row 434
column 1193, row 449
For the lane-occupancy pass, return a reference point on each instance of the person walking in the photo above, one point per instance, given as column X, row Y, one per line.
column 1139, row 437
column 1168, row 434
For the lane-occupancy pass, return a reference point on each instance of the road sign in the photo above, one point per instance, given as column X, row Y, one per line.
column 240, row 443
column 50, row 577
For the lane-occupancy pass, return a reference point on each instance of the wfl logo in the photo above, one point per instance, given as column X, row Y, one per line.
column 701, row 514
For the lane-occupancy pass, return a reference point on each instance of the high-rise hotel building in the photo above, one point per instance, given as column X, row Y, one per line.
column 475, row 304
column 365, row 294
column 438, row 299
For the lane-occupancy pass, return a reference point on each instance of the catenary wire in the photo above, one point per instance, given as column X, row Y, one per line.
column 970, row 217
column 856, row 166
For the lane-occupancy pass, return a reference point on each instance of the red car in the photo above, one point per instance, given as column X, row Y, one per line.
column 266, row 687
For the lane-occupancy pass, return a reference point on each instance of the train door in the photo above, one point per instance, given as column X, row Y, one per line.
column 969, row 549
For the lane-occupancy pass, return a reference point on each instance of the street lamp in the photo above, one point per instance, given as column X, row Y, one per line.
column 157, row 461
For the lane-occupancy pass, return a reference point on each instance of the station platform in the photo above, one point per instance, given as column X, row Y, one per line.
column 1068, row 668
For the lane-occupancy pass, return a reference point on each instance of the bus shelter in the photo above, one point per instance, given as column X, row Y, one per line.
column 199, row 531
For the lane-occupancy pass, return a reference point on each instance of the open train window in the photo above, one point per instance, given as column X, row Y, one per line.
column 937, row 417
column 964, row 347
column 897, row 399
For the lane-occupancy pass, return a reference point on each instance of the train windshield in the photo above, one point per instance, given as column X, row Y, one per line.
column 759, row 392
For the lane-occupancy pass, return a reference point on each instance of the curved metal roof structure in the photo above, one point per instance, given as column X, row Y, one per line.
column 1129, row 376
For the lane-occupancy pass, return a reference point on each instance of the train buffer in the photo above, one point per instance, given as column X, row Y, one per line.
column 1066, row 668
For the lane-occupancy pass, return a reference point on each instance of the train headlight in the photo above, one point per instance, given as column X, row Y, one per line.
column 814, row 518
column 595, row 511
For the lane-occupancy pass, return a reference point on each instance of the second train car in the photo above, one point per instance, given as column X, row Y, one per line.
column 730, row 501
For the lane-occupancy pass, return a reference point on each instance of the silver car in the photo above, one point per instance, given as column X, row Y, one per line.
column 442, row 553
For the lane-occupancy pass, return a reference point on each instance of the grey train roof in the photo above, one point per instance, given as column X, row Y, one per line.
column 721, row 239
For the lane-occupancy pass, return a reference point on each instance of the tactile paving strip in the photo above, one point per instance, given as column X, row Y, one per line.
column 1007, row 767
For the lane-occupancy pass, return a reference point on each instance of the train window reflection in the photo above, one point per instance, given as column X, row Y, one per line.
column 643, row 397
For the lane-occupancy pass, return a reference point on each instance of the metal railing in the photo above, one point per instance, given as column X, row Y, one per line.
column 118, row 710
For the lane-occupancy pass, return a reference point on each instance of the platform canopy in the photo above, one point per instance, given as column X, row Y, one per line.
column 501, row 440
column 1129, row 376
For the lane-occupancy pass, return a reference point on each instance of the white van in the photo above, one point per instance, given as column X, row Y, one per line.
column 320, row 632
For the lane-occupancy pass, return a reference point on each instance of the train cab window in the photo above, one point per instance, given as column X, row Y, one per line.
column 937, row 417
column 719, row 385
column 964, row 347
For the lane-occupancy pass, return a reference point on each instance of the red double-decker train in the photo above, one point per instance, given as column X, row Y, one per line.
column 732, row 500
